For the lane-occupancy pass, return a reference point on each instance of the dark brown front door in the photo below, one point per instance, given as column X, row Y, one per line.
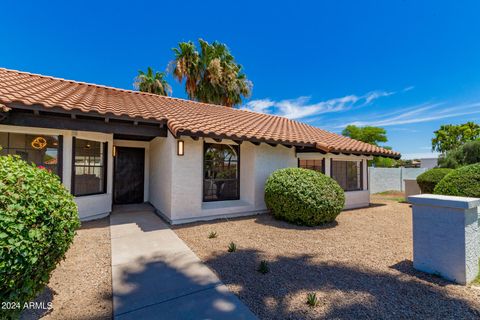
column 129, row 175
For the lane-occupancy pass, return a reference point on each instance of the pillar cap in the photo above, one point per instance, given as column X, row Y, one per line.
column 438, row 200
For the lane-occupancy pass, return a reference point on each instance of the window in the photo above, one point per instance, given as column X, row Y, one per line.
column 89, row 167
column 221, row 172
column 348, row 174
column 41, row 150
column 317, row 165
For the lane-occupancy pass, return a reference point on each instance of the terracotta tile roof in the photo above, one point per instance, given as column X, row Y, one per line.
column 183, row 117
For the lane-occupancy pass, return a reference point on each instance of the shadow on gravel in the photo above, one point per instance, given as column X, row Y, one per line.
column 344, row 291
column 267, row 220
column 406, row 267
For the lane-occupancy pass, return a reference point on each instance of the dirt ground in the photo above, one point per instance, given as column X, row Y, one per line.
column 360, row 267
column 82, row 283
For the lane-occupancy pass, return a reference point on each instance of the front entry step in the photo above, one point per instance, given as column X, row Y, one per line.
column 133, row 207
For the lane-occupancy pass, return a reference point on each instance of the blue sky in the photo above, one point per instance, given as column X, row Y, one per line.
column 408, row 66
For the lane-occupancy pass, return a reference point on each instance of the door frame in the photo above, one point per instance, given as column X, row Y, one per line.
column 145, row 163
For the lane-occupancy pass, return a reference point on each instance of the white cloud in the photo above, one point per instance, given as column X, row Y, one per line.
column 420, row 114
column 259, row 105
column 408, row 88
column 301, row 107
column 369, row 97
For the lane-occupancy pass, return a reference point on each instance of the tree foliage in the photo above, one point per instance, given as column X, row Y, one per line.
column 469, row 153
column 372, row 135
column 450, row 137
column 152, row 82
column 211, row 74
column 368, row 134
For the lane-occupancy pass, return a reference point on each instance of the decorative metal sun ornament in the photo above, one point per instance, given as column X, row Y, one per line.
column 39, row 143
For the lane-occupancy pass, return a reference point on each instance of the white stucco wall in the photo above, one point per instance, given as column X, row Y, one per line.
column 89, row 207
column 267, row 160
column 160, row 181
column 357, row 199
column 388, row 179
column 176, row 183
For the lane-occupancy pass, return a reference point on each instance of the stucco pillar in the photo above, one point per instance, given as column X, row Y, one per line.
column 328, row 166
column 364, row 165
column 446, row 237
column 67, row 160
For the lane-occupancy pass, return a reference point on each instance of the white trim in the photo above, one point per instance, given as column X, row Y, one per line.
column 95, row 217
column 209, row 217
column 341, row 156
column 224, row 141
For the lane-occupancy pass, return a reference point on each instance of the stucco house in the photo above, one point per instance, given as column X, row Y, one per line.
column 190, row 160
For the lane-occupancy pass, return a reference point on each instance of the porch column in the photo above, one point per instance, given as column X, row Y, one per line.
column 365, row 174
column 67, row 160
column 328, row 167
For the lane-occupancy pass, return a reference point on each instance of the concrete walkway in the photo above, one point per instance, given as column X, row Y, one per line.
column 156, row 276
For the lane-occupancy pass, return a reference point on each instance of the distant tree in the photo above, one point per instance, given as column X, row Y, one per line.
column 372, row 135
column 152, row 82
column 368, row 134
column 211, row 75
column 450, row 137
column 469, row 153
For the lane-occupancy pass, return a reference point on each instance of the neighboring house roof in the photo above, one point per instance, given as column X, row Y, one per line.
column 183, row 117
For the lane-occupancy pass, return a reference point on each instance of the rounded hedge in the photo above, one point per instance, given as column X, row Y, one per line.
column 38, row 219
column 303, row 196
column 464, row 182
column 429, row 179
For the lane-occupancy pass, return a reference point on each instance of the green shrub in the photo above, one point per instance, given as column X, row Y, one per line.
column 38, row 218
column 429, row 179
column 464, row 182
column 303, row 196
column 212, row 235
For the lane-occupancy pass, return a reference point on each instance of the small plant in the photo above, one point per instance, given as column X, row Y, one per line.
column 312, row 299
column 212, row 235
column 232, row 247
column 263, row 267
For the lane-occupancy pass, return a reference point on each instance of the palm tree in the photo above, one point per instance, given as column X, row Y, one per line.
column 211, row 75
column 185, row 66
column 152, row 82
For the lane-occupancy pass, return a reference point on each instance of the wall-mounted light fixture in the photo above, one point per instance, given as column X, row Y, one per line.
column 114, row 151
column 180, row 148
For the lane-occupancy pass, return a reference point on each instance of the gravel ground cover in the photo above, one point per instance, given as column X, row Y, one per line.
column 81, row 285
column 359, row 267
